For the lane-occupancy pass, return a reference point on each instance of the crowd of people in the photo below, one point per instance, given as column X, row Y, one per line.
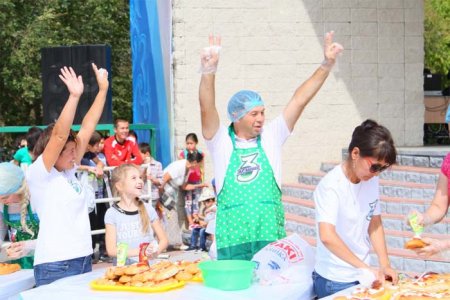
column 57, row 161
column 241, row 212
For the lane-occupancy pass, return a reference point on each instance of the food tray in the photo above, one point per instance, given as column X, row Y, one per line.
column 140, row 289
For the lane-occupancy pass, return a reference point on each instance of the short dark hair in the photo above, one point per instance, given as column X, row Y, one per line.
column 117, row 121
column 144, row 148
column 192, row 136
column 95, row 138
column 32, row 137
column 373, row 140
column 194, row 156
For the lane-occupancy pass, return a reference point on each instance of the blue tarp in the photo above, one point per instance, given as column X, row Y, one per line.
column 149, row 88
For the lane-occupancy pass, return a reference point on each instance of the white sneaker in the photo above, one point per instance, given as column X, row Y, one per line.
column 184, row 247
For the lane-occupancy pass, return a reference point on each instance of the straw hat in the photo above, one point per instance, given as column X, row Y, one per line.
column 207, row 193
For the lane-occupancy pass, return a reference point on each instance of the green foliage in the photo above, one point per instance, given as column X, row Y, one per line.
column 437, row 36
column 28, row 26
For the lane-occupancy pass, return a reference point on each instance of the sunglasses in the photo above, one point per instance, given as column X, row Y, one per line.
column 376, row 167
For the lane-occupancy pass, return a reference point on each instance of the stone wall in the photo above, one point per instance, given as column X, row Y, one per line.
column 272, row 46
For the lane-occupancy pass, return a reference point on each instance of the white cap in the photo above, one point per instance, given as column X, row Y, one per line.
column 207, row 193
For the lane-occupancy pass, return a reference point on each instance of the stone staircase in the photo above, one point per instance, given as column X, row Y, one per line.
column 404, row 187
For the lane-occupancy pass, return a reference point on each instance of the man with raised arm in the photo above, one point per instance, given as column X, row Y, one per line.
column 247, row 156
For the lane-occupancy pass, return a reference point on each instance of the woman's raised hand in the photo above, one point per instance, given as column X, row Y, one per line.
column 102, row 77
column 73, row 82
column 209, row 57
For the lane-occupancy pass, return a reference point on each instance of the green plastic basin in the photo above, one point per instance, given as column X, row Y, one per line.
column 228, row 275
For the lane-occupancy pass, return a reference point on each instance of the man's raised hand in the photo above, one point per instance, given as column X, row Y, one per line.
column 331, row 50
column 209, row 57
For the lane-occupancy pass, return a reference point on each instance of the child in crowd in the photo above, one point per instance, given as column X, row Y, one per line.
column 24, row 156
column 93, row 167
column 195, row 178
column 173, row 182
column 17, row 217
column 100, row 153
column 209, row 214
column 63, row 246
column 153, row 172
column 132, row 221
column 90, row 161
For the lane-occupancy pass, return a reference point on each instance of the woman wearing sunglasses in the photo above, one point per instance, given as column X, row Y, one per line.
column 348, row 214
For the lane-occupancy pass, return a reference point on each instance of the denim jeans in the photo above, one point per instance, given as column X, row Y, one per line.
column 194, row 237
column 48, row 272
column 324, row 287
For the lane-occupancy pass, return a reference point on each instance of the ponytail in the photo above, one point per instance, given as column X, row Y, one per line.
column 24, row 194
column 145, row 220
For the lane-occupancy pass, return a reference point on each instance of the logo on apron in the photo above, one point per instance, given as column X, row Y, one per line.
column 249, row 169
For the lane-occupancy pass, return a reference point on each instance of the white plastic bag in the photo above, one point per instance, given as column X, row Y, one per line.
column 287, row 260
column 88, row 189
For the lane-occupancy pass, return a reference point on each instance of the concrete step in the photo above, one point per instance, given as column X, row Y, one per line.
column 396, row 173
column 401, row 259
column 305, row 208
column 391, row 205
column 389, row 188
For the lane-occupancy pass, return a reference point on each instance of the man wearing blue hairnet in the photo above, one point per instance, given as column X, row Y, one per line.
column 247, row 156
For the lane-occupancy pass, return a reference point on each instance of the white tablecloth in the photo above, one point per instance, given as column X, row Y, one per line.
column 77, row 287
column 12, row 284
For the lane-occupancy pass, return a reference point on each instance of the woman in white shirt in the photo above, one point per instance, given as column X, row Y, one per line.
column 64, row 245
column 348, row 214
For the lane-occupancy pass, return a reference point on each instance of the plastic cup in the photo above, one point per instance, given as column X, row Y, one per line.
column 417, row 228
column 122, row 252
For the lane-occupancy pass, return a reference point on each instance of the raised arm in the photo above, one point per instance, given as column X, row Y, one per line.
column 209, row 115
column 61, row 130
column 93, row 115
column 305, row 92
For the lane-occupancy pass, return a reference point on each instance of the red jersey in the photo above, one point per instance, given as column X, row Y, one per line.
column 125, row 153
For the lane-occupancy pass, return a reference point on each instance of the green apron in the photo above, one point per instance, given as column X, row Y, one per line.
column 21, row 235
column 250, row 214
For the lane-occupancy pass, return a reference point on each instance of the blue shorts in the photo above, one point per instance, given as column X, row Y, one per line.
column 324, row 287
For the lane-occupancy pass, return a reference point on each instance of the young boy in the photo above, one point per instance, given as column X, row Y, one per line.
column 207, row 225
column 153, row 173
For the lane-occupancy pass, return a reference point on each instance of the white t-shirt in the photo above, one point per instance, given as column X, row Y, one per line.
column 273, row 137
column 60, row 202
column 128, row 226
column 177, row 171
column 349, row 207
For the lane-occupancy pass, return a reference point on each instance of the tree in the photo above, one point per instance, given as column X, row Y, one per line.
column 27, row 26
column 437, row 36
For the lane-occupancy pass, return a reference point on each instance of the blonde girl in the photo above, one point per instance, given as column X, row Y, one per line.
column 130, row 220
column 18, row 219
